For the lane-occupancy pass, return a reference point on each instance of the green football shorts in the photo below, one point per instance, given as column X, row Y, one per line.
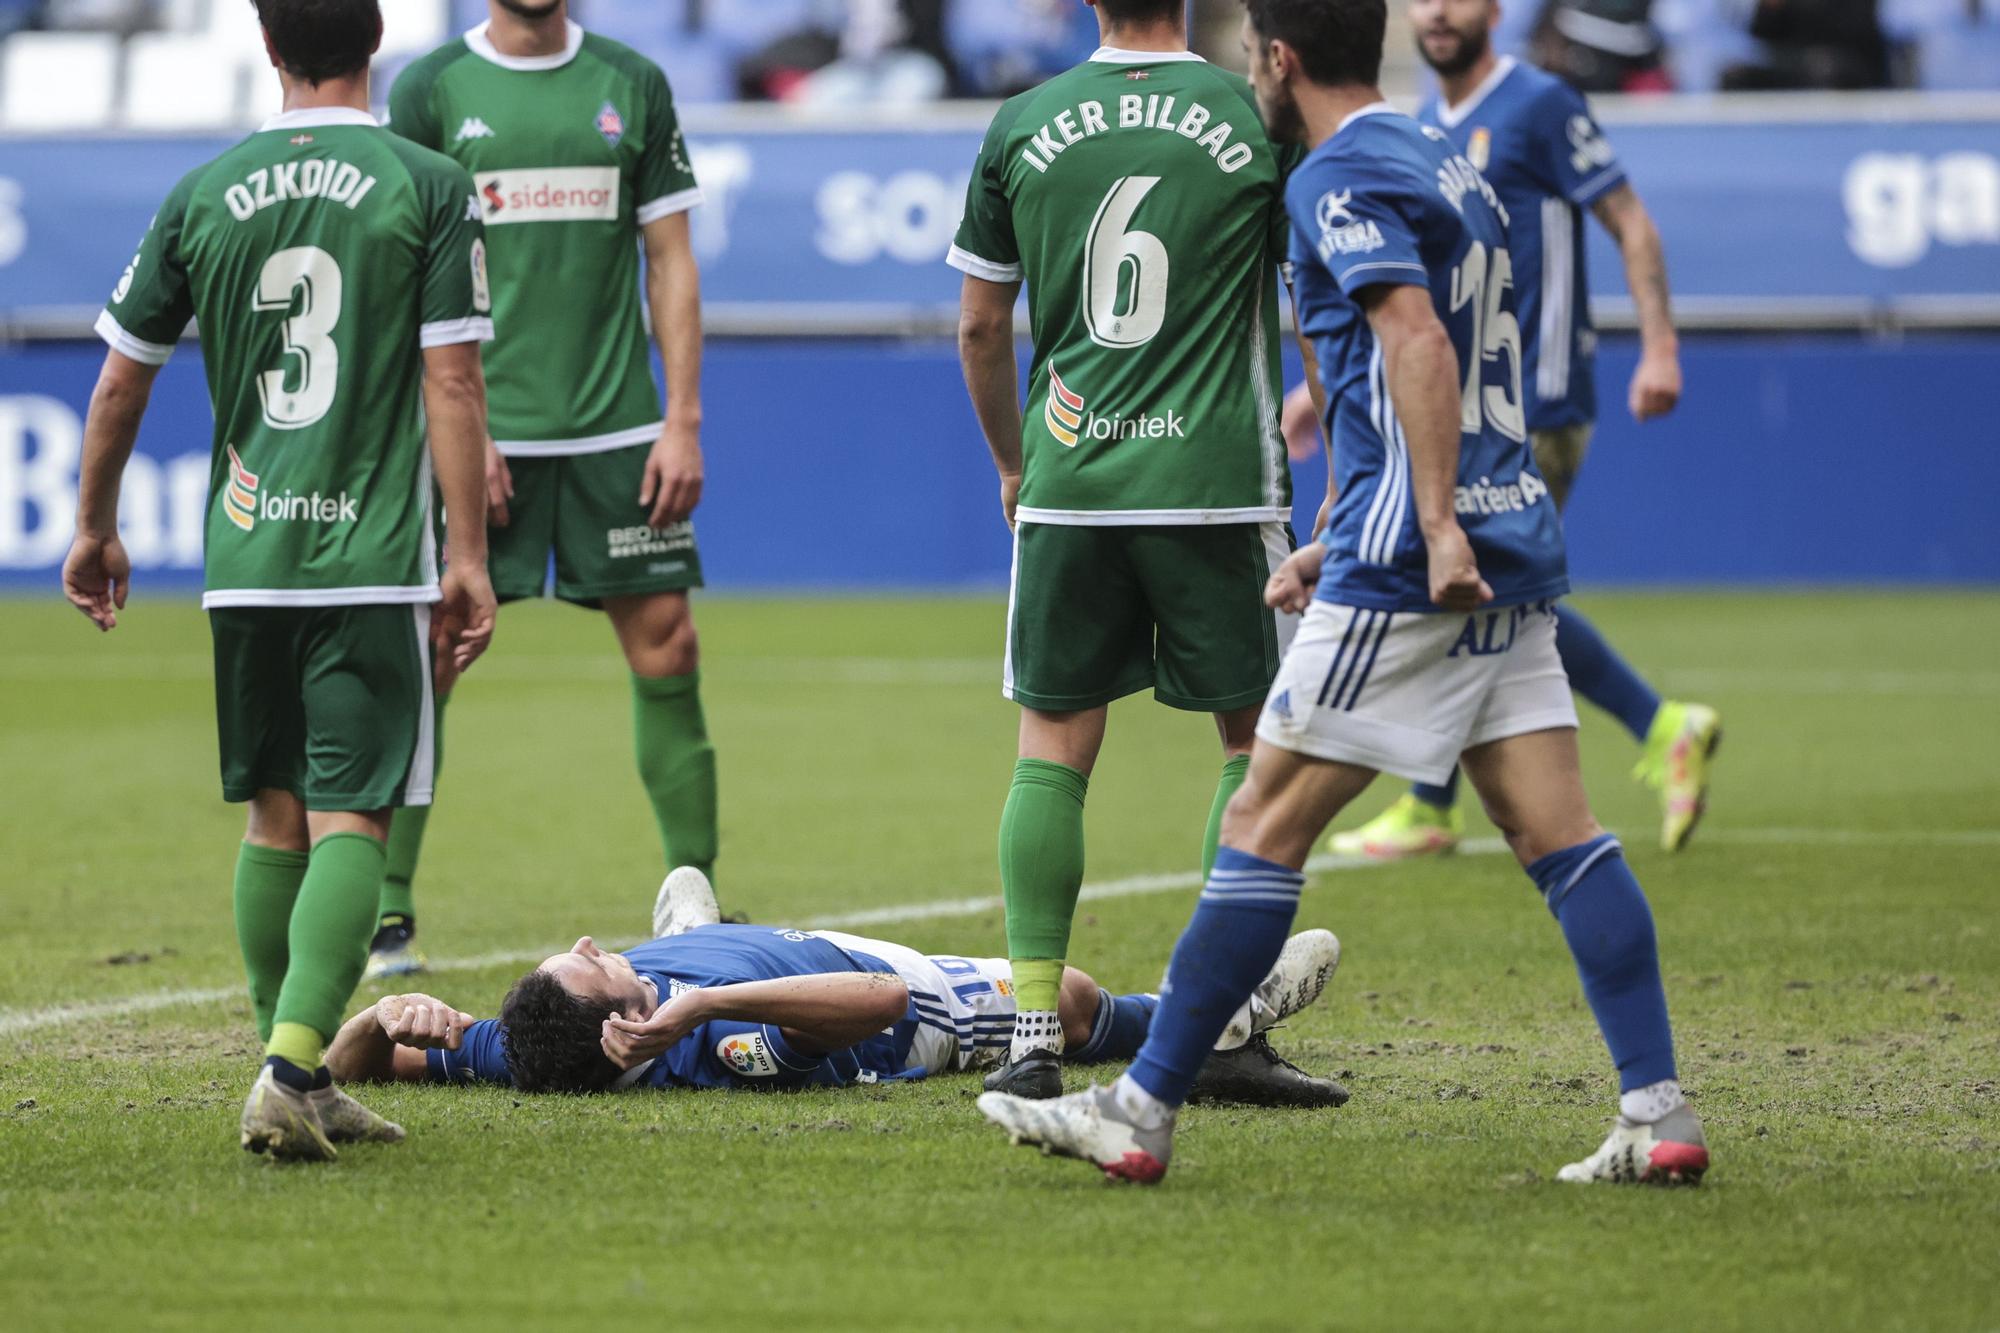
column 585, row 509
column 1097, row 613
column 331, row 703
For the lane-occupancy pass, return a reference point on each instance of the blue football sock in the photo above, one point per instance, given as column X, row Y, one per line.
column 1599, row 674
column 1444, row 798
column 1230, row 945
column 1609, row 927
column 1119, row 1029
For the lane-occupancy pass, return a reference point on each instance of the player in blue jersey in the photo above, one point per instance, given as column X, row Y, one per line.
column 1431, row 629
column 709, row 1005
column 1533, row 136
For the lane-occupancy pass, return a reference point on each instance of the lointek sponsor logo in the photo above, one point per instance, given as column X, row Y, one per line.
column 162, row 502
column 549, row 194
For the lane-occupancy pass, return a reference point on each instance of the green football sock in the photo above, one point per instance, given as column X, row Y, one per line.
column 267, row 884
column 1041, row 872
column 1233, row 773
column 330, row 929
column 677, row 766
column 406, row 843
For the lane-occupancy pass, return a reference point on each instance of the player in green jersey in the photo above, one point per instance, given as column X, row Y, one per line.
column 338, row 274
column 579, row 161
column 1141, row 201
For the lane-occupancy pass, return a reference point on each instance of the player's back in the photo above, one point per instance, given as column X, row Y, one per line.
column 304, row 252
column 1388, row 201
column 1533, row 137
column 1140, row 200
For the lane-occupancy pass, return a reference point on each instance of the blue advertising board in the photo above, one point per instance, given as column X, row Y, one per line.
column 856, row 463
column 1888, row 207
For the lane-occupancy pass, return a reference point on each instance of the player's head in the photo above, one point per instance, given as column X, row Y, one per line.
column 1453, row 34
column 316, row 40
column 1329, row 43
column 553, row 1019
column 531, row 9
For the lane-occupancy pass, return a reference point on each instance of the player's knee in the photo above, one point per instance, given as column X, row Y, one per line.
column 668, row 644
column 1547, row 837
column 1077, row 1006
column 277, row 819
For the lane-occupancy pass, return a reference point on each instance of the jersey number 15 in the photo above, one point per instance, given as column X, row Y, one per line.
column 1482, row 282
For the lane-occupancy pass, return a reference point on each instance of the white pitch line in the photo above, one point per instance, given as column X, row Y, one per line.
column 1131, row 886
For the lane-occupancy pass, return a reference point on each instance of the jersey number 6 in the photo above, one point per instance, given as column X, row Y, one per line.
column 1125, row 270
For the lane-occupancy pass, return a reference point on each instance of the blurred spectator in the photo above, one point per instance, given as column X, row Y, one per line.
column 1601, row 46
column 1834, row 44
column 857, row 52
column 1006, row 46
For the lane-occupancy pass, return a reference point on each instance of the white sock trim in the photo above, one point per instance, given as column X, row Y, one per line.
column 1652, row 1103
column 1036, row 1030
column 1146, row 1110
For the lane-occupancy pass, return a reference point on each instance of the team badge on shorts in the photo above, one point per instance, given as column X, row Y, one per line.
column 610, row 124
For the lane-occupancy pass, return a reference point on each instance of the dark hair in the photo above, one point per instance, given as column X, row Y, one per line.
column 1339, row 42
column 551, row 1037
column 317, row 40
column 1129, row 11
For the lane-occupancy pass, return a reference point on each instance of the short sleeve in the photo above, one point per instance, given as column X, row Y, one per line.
column 152, row 304
column 1581, row 165
column 1357, row 226
column 480, row 1058
column 410, row 111
column 985, row 246
column 457, row 299
column 666, row 184
column 723, row 1054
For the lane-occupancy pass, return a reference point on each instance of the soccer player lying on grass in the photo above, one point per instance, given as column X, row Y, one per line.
column 709, row 1005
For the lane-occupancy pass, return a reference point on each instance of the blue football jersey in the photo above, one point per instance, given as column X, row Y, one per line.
column 1386, row 200
column 721, row 1054
column 1533, row 136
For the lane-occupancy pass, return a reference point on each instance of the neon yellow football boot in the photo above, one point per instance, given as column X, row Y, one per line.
column 1410, row 827
column 1680, row 749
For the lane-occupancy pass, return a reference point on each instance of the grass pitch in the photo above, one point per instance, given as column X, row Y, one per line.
column 1831, row 945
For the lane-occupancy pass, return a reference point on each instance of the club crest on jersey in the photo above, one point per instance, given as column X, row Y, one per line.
column 1063, row 412
column 239, row 497
column 1479, row 151
column 610, row 124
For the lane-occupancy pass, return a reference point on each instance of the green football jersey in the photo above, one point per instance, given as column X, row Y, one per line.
column 572, row 153
column 321, row 255
column 1141, row 200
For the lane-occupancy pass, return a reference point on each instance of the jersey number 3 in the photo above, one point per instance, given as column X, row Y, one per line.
column 1481, row 282
column 300, row 392
column 1125, row 270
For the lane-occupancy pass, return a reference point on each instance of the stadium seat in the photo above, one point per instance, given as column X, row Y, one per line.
column 174, row 81
column 58, row 80
column 412, row 27
column 1960, row 57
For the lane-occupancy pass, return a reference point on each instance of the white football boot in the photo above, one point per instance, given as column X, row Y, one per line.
column 686, row 900
column 1089, row 1126
column 1670, row 1151
column 1302, row 972
column 348, row 1121
column 284, row 1123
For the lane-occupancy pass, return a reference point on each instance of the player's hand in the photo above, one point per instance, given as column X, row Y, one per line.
column 462, row 623
column 628, row 1042
column 1299, row 420
column 499, row 487
column 1656, row 386
column 1455, row 581
column 1291, row 588
column 672, row 485
column 422, row 1022
column 96, row 576
column 1010, row 497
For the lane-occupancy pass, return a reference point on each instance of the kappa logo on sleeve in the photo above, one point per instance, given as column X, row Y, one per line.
column 748, row 1054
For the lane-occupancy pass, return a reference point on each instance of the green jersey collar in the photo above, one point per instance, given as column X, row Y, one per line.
column 482, row 46
column 308, row 117
column 1117, row 55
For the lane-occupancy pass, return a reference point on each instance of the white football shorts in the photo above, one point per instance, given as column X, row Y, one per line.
column 1407, row 692
column 964, row 1006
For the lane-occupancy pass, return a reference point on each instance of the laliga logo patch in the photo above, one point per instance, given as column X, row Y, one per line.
column 610, row 124
column 747, row 1054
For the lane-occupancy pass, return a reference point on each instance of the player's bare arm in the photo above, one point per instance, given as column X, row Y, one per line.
column 1422, row 371
column 817, row 1014
column 1656, row 384
column 97, row 575
column 986, row 352
column 385, row 1043
column 673, row 483
column 455, row 405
